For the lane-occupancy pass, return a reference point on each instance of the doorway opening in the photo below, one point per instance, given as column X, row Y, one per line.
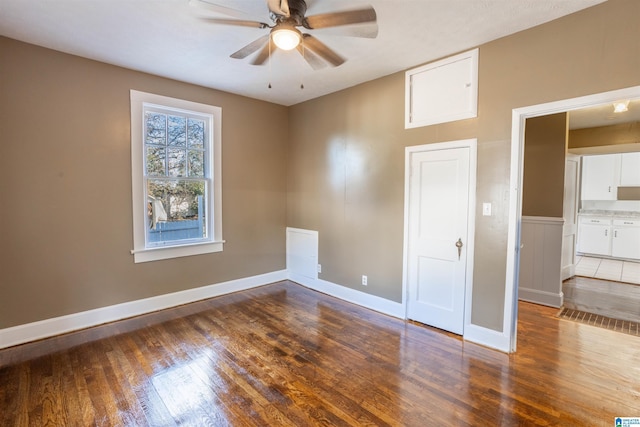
column 519, row 117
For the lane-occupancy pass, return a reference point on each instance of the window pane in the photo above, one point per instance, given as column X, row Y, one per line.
column 195, row 133
column 175, row 210
column 177, row 162
column 156, row 125
column 177, row 130
column 196, row 163
column 155, row 162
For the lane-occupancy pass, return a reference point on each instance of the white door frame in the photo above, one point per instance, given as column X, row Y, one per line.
column 519, row 116
column 472, row 144
column 574, row 221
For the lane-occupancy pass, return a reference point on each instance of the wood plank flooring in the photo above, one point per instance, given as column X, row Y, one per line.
column 603, row 297
column 283, row 355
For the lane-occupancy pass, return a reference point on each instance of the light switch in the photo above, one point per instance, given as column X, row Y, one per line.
column 486, row 209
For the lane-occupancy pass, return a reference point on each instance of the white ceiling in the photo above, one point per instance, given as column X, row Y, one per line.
column 603, row 115
column 167, row 38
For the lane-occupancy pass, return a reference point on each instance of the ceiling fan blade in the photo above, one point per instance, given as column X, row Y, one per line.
column 312, row 59
column 236, row 22
column 322, row 50
column 264, row 54
column 251, row 47
column 216, row 8
column 367, row 31
column 336, row 19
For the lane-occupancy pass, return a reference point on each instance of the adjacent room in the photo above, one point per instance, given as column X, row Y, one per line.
column 580, row 245
column 235, row 212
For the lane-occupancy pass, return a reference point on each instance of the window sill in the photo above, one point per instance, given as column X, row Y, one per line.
column 160, row 253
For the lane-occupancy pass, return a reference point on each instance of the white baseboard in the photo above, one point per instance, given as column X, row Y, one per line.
column 541, row 297
column 59, row 325
column 472, row 333
column 363, row 299
column 487, row 337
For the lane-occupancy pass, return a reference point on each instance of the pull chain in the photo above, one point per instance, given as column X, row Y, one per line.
column 269, row 61
column 301, row 72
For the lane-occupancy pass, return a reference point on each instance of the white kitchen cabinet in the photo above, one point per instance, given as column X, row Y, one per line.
column 625, row 242
column 594, row 236
column 630, row 170
column 600, row 177
column 609, row 237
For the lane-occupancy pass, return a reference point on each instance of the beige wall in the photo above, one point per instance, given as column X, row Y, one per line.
column 65, row 169
column 346, row 150
column 544, row 160
column 65, row 172
column 622, row 134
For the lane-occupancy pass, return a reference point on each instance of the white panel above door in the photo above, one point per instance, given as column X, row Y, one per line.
column 442, row 91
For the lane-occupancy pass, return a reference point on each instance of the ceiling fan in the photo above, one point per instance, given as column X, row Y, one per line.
column 287, row 16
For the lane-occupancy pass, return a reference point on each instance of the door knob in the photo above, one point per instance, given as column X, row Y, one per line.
column 459, row 245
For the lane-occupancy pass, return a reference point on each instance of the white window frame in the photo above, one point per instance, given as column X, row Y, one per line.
column 214, row 242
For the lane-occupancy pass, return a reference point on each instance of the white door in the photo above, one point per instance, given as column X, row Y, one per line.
column 438, row 236
column 570, row 214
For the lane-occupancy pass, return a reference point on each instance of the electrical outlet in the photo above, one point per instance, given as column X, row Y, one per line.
column 319, row 268
column 364, row 280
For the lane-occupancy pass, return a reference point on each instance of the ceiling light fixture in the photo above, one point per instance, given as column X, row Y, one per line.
column 286, row 37
column 621, row 106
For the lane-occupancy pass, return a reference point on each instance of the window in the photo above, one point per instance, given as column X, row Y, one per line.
column 176, row 179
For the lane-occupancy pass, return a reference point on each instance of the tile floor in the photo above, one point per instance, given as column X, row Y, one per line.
column 608, row 269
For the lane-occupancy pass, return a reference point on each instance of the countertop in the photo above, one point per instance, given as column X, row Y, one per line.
column 611, row 214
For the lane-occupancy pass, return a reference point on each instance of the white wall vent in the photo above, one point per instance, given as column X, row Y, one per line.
column 302, row 253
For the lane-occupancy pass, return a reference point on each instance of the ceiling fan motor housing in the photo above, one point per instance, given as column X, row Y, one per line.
column 287, row 15
column 297, row 10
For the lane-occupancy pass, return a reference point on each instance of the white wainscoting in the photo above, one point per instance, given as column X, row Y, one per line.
column 540, row 278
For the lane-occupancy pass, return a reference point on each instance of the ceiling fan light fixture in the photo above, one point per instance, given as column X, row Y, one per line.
column 621, row 106
column 286, row 37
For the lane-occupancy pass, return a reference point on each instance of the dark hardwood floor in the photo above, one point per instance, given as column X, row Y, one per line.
column 283, row 355
column 617, row 300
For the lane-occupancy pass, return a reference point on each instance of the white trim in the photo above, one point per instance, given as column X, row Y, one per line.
column 215, row 241
column 518, row 118
column 551, row 220
column 362, row 299
column 486, row 337
column 159, row 253
column 303, row 231
column 296, row 256
column 59, row 325
column 472, row 144
column 472, row 99
column 541, row 297
column 472, row 333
